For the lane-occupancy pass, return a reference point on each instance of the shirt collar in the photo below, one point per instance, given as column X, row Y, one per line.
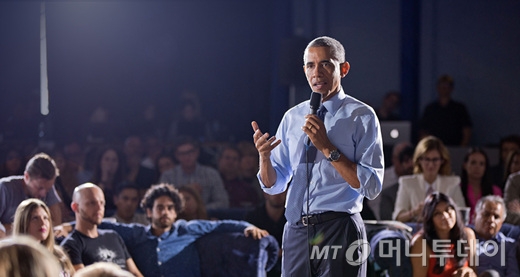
column 332, row 105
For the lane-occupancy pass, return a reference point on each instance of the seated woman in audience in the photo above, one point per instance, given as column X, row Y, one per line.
column 193, row 205
column 108, row 173
column 512, row 164
column 23, row 256
column 444, row 246
column 33, row 218
column 432, row 169
column 475, row 178
column 512, row 189
column 12, row 162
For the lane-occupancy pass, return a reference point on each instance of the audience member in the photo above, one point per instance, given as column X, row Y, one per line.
column 403, row 165
column 507, row 145
column 65, row 184
column 446, row 118
column 137, row 173
column 12, row 161
column 190, row 122
column 444, row 246
column 37, row 182
column 512, row 198
column 270, row 216
column 475, row 180
column 33, row 218
column 241, row 193
column 109, row 171
column 103, row 269
column 490, row 213
column 392, row 173
column 389, row 109
column 153, row 148
column 87, row 244
column 193, row 205
column 22, row 256
column 126, row 200
column 432, row 169
column 166, row 247
column 165, row 162
column 249, row 165
column 205, row 179
column 512, row 164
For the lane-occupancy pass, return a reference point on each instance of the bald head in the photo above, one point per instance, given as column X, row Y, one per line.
column 88, row 203
column 82, row 189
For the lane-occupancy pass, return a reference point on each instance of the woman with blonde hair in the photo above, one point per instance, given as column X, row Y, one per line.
column 33, row 218
column 432, row 172
column 21, row 256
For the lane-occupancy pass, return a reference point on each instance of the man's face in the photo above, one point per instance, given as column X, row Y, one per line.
column 323, row 72
column 444, row 89
column 489, row 220
column 163, row 213
column 229, row 162
column 127, row 202
column 91, row 206
column 405, row 167
column 187, row 155
column 38, row 187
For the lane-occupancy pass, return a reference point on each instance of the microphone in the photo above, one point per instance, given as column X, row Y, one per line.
column 315, row 102
column 314, row 106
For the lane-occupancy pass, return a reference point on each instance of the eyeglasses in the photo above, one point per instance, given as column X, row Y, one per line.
column 430, row 160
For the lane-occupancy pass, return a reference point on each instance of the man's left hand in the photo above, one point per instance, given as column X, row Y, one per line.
column 255, row 232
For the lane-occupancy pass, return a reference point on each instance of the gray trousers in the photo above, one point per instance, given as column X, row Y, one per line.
column 333, row 248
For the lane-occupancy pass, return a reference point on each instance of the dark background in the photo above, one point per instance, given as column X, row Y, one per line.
column 240, row 57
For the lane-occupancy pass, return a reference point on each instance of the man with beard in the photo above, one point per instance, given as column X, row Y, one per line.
column 87, row 244
column 166, row 247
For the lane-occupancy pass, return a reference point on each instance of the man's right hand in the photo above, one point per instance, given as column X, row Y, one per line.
column 263, row 143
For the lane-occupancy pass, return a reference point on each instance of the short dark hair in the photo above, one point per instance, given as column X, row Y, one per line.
column 336, row 48
column 159, row 190
column 125, row 185
column 43, row 166
column 406, row 154
column 183, row 140
column 446, row 79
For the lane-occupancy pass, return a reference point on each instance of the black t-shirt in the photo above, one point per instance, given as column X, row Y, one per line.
column 446, row 122
column 107, row 247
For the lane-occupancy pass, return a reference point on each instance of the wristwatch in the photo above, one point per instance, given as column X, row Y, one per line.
column 334, row 155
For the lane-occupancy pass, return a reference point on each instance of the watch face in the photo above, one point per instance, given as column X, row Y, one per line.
column 334, row 155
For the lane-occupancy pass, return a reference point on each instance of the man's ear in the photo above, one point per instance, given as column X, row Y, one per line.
column 344, row 68
column 26, row 177
column 74, row 207
column 148, row 213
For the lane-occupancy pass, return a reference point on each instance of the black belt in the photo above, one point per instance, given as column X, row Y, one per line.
column 314, row 219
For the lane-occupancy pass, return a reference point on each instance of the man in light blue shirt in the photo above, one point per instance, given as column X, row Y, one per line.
column 325, row 193
column 166, row 247
column 495, row 251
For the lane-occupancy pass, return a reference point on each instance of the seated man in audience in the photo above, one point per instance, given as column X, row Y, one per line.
column 189, row 172
column 490, row 212
column 126, row 200
column 271, row 217
column 87, row 244
column 37, row 182
column 241, row 193
column 166, row 247
column 389, row 194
